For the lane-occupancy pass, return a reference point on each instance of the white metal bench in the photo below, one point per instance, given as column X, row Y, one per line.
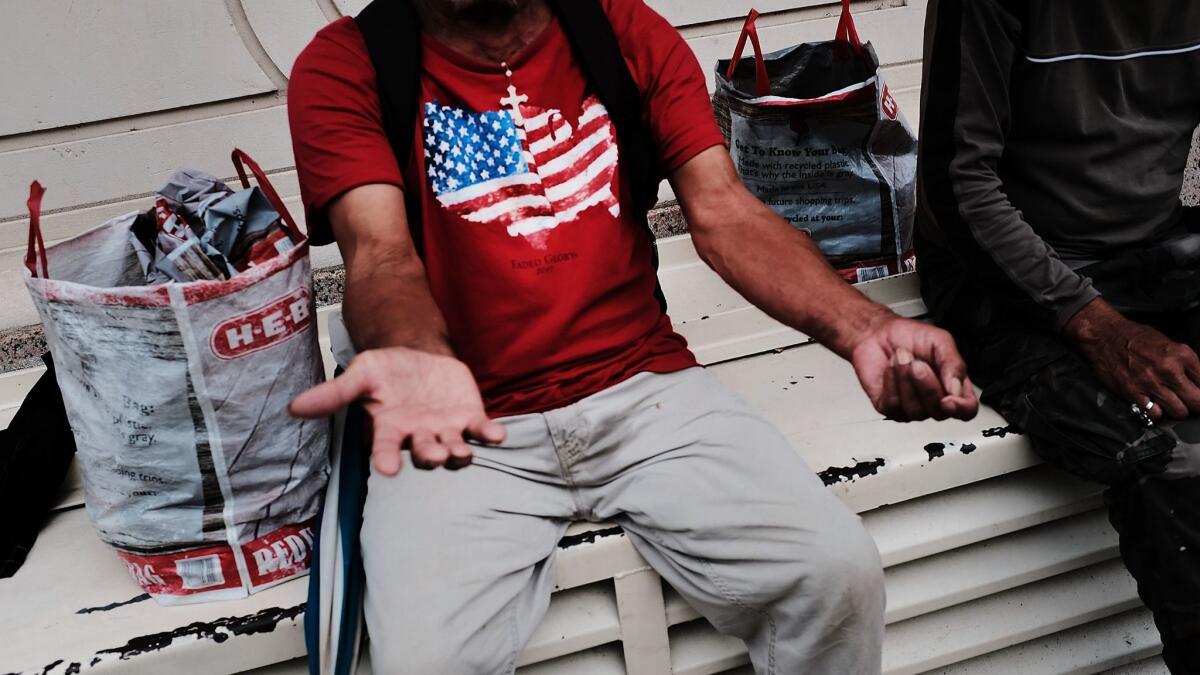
column 994, row 564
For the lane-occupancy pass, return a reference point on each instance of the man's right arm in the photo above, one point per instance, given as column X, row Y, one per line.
column 387, row 299
column 405, row 376
column 419, row 396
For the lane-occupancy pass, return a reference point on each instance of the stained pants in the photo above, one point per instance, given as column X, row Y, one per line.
column 1048, row 390
column 459, row 565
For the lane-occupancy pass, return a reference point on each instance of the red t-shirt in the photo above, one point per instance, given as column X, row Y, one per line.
column 532, row 254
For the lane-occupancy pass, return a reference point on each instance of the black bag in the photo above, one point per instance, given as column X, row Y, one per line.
column 816, row 135
column 35, row 453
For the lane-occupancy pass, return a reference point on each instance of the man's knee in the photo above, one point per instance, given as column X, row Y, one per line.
column 849, row 569
column 841, row 569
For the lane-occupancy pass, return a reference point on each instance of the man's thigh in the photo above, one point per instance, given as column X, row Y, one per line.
column 732, row 516
column 1078, row 424
column 459, row 564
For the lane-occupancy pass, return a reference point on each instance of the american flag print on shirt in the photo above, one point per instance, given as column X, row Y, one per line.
column 525, row 169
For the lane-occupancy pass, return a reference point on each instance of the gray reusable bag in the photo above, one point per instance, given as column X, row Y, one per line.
column 177, row 396
column 816, row 135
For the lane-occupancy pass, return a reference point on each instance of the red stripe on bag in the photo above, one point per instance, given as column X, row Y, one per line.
column 272, row 557
column 185, row 572
column 847, row 31
column 36, row 251
column 762, row 82
column 280, row 554
column 849, row 97
column 239, row 157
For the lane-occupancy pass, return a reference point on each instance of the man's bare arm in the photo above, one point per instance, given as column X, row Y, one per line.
column 910, row 370
column 387, row 299
column 405, row 375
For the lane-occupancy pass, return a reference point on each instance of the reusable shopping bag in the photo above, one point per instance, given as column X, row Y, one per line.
column 815, row 133
column 177, row 395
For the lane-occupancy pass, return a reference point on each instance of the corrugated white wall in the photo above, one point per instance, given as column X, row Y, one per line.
column 104, row 98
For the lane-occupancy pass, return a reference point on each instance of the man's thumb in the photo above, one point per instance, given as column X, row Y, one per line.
column 327, row 398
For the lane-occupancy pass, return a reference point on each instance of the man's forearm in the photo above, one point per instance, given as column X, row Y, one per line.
column 781, row 270
column 387, row 298
column 393, row 308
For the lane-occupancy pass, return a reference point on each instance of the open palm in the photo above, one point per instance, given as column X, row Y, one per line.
column 417, row 400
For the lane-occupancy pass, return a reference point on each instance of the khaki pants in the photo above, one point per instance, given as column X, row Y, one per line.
column 459, row 564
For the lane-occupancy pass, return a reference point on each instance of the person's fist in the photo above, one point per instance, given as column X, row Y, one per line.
column 912, row 371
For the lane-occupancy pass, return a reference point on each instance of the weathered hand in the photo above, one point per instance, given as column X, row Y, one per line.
column 912, row 371
column 1138, row 362
column 425, row 402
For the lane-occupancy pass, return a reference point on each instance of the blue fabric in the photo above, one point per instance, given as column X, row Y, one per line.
column 312, row 620
column 352, row 496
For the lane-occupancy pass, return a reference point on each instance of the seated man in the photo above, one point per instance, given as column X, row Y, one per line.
column 520, row 342
column 1053, row 245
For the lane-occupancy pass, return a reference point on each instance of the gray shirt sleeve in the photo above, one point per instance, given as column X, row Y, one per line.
column 971, row 47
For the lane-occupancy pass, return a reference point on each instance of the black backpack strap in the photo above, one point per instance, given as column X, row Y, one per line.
column 595, row 45
column 392, row 32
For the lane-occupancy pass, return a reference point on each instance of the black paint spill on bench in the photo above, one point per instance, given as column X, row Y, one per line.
column 111, row 606
column 1001, row 432
column 218, row 631
column 72, row 669
column 841, row 474
column 588, row 537
column 936, row 450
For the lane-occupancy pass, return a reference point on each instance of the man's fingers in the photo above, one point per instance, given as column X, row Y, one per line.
column 910, row 400
column 461, row 456
column 427, row 452
column 329, row 397
column 870, row 365
column 460, row 453
column 952, row 370
column 385, row 448
column 487, row 431
column 929, row 390
column 1166, row 403
column 961, row 402
column 1187, row 386
column 890, row 399
column 1192, row 367
column 1189, row 395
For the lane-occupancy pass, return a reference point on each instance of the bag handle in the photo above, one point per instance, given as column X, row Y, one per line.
column 846, row 31
column 36, row 251
column 241, row 160
column 762, row 83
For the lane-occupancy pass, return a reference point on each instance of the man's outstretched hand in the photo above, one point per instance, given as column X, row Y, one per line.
column 912, row 371
column 417, row 400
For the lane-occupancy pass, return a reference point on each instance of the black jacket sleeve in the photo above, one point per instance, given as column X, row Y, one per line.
column 971, row 48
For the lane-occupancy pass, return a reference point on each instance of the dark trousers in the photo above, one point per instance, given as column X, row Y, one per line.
column 1046, row 389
